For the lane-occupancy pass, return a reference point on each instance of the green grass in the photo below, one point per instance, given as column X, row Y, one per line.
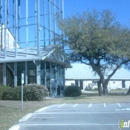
column 10, row 111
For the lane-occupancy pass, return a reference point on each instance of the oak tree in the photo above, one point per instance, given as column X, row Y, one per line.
column 96, row 39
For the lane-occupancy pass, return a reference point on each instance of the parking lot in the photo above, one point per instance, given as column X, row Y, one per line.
column 103, row 116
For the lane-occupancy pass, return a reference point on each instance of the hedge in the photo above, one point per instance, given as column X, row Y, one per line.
column 32, row 92
column 35, row 92
column 2, row 90
column 72, row 91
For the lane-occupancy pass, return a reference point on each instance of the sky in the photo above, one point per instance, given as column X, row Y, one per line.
column 120, row 7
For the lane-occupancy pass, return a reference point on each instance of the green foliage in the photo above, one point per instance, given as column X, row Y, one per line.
column 96, row 35
column 97, row 39
column 32, row 92
column 2, row 90
column 35, row 92
column 72, row 91
column 88, row 87
column 95, row 89
column 12, row 94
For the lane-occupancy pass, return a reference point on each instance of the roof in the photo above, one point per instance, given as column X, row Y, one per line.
column 82, row 71
column 30, row 54
column 24, row 54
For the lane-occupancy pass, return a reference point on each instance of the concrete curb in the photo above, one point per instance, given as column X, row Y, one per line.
column 41, row 109
column 15, row 127
column 25, row 118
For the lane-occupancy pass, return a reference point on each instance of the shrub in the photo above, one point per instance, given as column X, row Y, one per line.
column 72, row 91
column 32, row 92
column 12, row 94
column 95, row 89
column 2, row 90
column 88, row 87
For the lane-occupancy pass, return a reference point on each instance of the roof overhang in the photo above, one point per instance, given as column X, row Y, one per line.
column 30, row 54
column 25, row 59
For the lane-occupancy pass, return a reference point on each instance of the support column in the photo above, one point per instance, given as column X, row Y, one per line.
column 1, row 12
column 55, row 73
column 51, row 92
column 19, row 16
column 49, row 23
column 16, row 26
column 38, row 72
column 54, row 20
column 63, row 76
column 62, row 73
column 26, row 18
column 45, row 74
column 15, row 74
column 4, row 74
column 44, row 23
column 5, row 26
column 37, row 19
column 1, row 30
column 59, row 78
column 26, row 73
column 53, row 80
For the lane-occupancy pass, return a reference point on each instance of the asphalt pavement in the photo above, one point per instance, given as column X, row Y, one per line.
column 77, row 117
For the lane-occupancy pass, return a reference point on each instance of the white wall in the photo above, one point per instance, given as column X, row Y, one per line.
column 111, row 84
column 69, row 82
column 10, row 42
column 118, row 84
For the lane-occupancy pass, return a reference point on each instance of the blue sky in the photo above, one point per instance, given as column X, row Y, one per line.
column 120, row 7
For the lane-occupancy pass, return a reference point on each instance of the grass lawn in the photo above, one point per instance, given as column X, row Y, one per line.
column 10, row 111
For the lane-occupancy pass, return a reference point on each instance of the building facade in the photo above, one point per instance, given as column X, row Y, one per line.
column 28, row 43
column 82, row 75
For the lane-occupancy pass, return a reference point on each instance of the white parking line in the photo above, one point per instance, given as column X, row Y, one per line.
column 123, row 109
column 90, row 105
column 75, row 105
column 81, row 124
column 104, row 104
column 119, row 104
column 61, row 105
column 82, row 113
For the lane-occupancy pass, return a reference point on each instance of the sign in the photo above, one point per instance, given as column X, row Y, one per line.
column 22, row 82
column 22, row 78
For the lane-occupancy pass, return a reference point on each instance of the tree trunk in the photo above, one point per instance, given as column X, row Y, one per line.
column 105, row 84
column 99, row 88
column 105, row 90
column 128, row 92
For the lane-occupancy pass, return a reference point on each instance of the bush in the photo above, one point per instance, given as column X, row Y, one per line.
column 12, row 94
column 32, row 92
column 95, row 89
column 88, row 87
column 72, row 91
column 2, row 90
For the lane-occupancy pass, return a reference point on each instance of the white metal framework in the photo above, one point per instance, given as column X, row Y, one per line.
column 27, row 28
column 32, row 23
